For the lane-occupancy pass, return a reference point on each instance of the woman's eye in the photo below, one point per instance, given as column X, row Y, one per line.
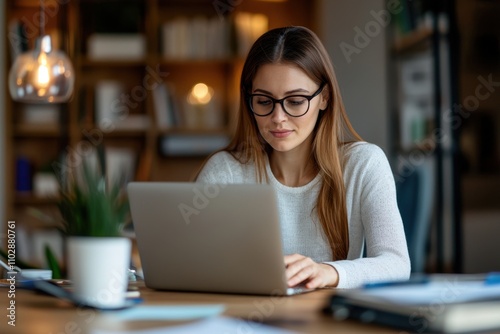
column 295, row 101
column 264, row 102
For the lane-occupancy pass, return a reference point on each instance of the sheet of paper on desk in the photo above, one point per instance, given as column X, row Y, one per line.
column 449, row 291
column 214, row 325
column 168, row 312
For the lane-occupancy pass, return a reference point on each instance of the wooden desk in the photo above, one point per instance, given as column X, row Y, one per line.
column 37, row 313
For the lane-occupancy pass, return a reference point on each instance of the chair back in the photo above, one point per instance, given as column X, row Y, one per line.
column 415, row 194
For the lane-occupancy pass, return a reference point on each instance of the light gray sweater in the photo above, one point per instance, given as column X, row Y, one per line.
column 372, row 212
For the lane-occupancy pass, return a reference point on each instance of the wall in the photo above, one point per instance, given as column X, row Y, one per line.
column 360, row 60
column 2, row 123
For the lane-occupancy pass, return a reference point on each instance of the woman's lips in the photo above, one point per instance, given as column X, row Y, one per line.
column 281, row 133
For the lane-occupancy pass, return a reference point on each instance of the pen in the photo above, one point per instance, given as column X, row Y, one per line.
column 420, row 280
column 492, row 278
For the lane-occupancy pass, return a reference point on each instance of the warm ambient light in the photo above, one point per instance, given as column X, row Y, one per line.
column 42, row 75
column 43, row 71
column 200, row 94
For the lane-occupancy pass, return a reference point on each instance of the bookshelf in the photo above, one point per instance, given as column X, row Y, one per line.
column 424, row 58
column 127, row 78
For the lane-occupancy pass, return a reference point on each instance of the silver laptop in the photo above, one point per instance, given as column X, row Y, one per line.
column 209, row 238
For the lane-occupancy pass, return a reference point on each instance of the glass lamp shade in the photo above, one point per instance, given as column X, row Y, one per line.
column 42, row 75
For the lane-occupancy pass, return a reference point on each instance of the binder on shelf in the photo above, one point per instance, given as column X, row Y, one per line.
column 192, row 144
column 23, row 174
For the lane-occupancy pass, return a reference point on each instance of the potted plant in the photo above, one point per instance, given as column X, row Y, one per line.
column 94, row 211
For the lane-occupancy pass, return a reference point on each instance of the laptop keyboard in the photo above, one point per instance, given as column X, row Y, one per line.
column 297, row 290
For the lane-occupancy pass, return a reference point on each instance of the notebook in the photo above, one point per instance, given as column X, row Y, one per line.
column 209, row 238
column 438, row 305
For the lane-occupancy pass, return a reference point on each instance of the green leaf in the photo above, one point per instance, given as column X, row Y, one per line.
column 52, row 263
column 90, row 204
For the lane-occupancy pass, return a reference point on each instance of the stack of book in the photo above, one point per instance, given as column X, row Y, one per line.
column 435, row 304
column 205, row 38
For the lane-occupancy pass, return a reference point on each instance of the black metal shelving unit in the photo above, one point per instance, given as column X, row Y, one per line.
column 442, row 41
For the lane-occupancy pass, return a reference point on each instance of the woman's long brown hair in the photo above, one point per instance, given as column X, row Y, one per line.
column 300, row 47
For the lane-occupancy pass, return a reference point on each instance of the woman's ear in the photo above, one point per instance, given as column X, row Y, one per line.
column 323, row 99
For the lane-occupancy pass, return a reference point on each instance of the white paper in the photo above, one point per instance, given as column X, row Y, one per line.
column 446, row 292
column 215, row 325
column 169, row 312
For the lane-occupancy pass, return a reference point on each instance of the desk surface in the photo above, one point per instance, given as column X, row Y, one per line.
column 37, row 313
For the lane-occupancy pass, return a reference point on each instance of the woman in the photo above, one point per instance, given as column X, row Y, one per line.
column 333, row 190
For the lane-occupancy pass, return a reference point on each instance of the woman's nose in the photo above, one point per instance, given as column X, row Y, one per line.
column 278, row 114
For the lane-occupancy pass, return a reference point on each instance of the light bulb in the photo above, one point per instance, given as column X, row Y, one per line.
column 200, row 94
column 42, row 75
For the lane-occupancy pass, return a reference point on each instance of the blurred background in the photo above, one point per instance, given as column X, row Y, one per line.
column 156, row 83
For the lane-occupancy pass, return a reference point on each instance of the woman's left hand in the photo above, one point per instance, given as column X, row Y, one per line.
column 302, row 269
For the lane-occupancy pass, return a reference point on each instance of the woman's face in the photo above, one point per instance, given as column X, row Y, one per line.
column 283, row 132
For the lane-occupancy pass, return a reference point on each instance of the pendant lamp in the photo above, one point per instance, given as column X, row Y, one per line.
column 42, row 75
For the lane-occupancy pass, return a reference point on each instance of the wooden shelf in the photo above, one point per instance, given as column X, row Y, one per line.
column 35, row 4
column 74, row 23
column 198, row 62
column 86, row 62
column 30, row 199
column 118, row 132
column 37, row 130
column 412, row 40
column 188, row 131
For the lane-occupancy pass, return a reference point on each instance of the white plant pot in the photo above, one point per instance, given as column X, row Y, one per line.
column 97, row 268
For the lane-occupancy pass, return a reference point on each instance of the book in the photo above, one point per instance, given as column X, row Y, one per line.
column 195, row 38
column 17, row 39
column 164, row 107
column 116, row 46
column 107, row 103
column 40, row 114
column 444, row 306
column 133, row 122
column 248, row 27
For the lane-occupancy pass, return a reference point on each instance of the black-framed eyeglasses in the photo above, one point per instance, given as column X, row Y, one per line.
column 293, row 105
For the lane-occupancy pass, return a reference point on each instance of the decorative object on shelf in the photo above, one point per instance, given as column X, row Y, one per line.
column 201, row 108
column 42, row 75
column 94, row 213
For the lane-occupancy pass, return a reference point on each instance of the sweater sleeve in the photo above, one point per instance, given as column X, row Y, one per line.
column 375, row 197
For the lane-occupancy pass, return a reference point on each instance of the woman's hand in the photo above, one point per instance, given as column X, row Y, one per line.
column 301, row 269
